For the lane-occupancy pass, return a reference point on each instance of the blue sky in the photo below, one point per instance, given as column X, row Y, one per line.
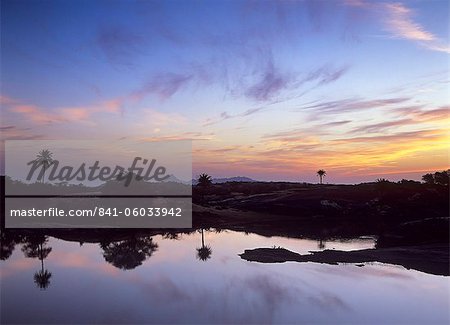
column 269, row 89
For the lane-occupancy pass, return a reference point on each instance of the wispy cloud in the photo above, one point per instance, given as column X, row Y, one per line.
column 336, row 123
column 163, row 85
column 378, row 127
column 309, row 132
column 41, row 115
column 8, row 127
column 225, row 115
column 152, row 117
column 397, row 137
column 37, row 114
column 271, row 82
column 437, row 114
column 325, row 74
column 286, row 136
column 352, row 104
column 359, row 154
column 421, row 114
column 398, row 21
column 13, row 132
column 194, row 136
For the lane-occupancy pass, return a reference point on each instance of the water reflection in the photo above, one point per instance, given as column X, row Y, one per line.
column 42, row 278
column 33, row 246
column 321, row 244
column 129, row 253
column 163, row 274
column 172, row 235
column 7, row 244
column 204, row 252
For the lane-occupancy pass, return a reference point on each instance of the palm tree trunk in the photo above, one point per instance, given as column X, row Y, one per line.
column 203, row 239
column 41, row 258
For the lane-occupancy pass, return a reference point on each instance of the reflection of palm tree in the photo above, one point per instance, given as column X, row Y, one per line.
column 42, row 277
column 130, row 253
column 321, row 173
column 44, row 159
column 204, row 252
column 34, row 247
column 321, row 244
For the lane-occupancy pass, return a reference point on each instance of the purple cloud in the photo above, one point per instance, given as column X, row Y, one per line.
column 251, row 111
column 337, row 123
column 272, row 81
column 378, row 127
column 163, row 85
column 325, row 75
column 225, row 115
column 352, row 104
column 9, row 127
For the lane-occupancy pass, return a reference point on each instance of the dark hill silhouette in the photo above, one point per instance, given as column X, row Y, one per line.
column 227, row 179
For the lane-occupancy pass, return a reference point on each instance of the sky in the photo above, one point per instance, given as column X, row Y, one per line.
column 272, row 90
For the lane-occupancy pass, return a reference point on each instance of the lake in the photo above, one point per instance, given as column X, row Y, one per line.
column 180, row 280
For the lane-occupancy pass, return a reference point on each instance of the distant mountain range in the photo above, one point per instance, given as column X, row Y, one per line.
column 227, row 179
column 243, row 179
column 173, row 178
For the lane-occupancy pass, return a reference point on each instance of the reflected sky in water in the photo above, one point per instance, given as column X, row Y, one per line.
column 172, row 285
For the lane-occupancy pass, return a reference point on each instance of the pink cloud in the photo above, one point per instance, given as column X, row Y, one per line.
column 5, row 100
column 41, row 115
column 113, row 105
column 36, row 114
column 399, row 22
column 74, row 114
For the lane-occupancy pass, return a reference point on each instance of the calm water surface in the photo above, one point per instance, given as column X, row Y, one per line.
column 174, row 285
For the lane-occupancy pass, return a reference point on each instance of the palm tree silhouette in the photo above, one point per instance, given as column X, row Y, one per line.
column 321, row 173
column 44, row 158
column 204, row 252
column 204, row 180
column 35, row 247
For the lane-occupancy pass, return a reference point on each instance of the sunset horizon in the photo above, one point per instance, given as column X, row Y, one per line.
column 272, row 91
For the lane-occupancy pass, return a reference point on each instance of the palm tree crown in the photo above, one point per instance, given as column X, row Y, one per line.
column 321, row 174
column 204, row 180
column 44, row 158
